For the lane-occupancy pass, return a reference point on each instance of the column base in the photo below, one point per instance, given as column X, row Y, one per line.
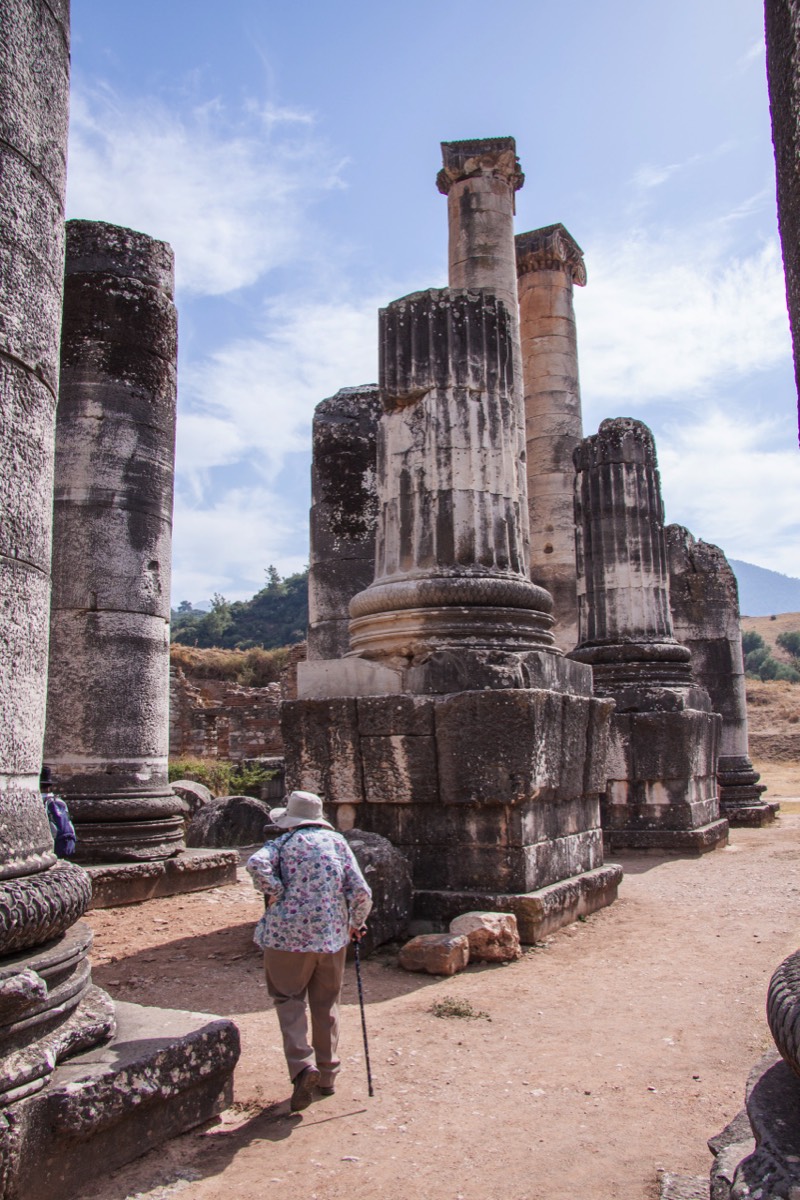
column 128, row 841
column 538, row 913
column 165, row 1072
column 675, row 841
column 115, row 884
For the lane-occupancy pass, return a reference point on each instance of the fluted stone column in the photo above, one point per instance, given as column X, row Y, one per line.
column 480, row 178
column 343, row 514
column 450, row 562
column 661, row 790
column 107, row 733
column 704, row 603
column 48, row 1008
column 549, row 263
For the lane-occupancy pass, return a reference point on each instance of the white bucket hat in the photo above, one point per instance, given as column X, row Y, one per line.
column 302, row 808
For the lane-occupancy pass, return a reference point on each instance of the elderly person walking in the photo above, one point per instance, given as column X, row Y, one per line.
column 317, row 900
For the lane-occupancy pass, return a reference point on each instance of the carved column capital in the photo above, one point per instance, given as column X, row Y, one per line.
column 551, row 248
column 480, row 157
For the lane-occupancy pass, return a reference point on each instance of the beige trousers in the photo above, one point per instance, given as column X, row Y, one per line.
column 292, row 978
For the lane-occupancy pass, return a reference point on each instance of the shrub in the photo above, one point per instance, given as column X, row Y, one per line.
column 220, row 776
column 790, row 642
column 255, row 667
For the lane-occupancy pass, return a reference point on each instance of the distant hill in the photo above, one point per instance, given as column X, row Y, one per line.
column 763, row 592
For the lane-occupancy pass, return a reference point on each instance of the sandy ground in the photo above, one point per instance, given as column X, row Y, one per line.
column 615, row 1049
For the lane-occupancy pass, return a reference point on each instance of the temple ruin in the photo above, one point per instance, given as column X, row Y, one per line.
column 454, row 726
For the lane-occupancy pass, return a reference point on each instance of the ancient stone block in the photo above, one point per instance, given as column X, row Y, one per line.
column 492, row 936
column 325, row 759
column 195, row 794
column 228, row 821
column 435, row 953
column 115, row 884
column 387, row 872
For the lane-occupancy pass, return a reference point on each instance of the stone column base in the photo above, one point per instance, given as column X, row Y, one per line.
column 538, row 913
column 754, row 816
column 677, row 841
column 165, row 1072
column 114, row 884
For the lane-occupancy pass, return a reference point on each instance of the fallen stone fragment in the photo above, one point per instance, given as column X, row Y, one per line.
column 195, row 794
column 493, row 936
column 436, row 953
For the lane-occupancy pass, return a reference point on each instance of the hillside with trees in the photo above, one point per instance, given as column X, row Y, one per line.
column 275, row 616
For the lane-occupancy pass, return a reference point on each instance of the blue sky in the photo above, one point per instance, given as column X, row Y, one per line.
column 289, row 154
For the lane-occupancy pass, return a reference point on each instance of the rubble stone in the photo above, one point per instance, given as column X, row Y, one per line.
column 387, row 872
column 195, row 794
column 493, row 937
column 228, row 821
column 435, row 953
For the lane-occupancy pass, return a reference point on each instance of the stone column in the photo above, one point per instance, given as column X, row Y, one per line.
column 704, row 602
column 450, row 563
column 343, row 514
column 107, row 733
column 480, row 178
column 661, row 788
column 549, row 262
column 782, row 30
column 48, row 1008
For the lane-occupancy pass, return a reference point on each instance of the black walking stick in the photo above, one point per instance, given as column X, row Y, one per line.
column 363, row 1017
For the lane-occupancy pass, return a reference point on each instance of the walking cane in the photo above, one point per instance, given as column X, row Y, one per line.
column 363, row 1017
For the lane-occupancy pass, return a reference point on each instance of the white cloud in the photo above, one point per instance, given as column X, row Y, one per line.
column 672, row 314
column 725, row 480
column 231, row 539
column 256, row 396
column 229, row 190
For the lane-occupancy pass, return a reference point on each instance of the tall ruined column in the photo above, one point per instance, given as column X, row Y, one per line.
column 107, row 733
column 48, row 1008
column 661, row 789
column 480, row 178
column 343, row 514
column 549, row 262
column 704, row 602
column 450, row 563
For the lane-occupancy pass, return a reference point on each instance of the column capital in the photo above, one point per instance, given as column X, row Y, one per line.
column 551, row 248
column 480, row 156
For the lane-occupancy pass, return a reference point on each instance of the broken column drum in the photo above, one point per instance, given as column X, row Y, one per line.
column 704, row 603
column 549, row 263
column 343, row 514
column 661, row 790
column 107, row 727
column 455, row 727
column 48, row 1006
column 450, row 567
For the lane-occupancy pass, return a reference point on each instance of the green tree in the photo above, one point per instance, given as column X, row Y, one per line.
column 790, row 642
column 752, row 641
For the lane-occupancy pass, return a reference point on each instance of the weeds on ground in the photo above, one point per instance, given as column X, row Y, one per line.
column 448, row 1006
column 221, row 777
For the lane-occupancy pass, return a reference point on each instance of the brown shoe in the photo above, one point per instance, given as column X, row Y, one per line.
column 303, row 1088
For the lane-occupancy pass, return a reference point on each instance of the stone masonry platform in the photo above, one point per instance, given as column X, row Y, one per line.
column 165, row 1072
column 114, row 884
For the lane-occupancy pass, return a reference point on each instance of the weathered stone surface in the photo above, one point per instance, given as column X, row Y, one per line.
column 492, row 936
column 115, row 884
column 107, row 726
column 704, row 603
column 228, row 821
column 549, row 262
column 435, row 953
column 538, row 913
column 165, row 1072
column 387, row 872
column 782, row 28
column 664, row 744
column 35, row 908
column 322, row 742
column 681, row 1187
column 213, row 718
column 343, row 514
column 195, row 794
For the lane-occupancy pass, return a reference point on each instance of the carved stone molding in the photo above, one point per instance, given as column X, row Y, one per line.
column 480, row 156
column 38, row 907
column 551, row 248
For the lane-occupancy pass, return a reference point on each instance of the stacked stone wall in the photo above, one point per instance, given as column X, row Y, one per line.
column 212, row 718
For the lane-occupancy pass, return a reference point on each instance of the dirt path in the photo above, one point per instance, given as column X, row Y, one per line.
column 614, row 1050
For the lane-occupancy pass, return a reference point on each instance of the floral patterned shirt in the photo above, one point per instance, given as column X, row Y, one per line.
column 318, row 888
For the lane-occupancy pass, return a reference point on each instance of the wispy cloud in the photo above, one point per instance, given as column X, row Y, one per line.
column 665, row 316
column 255, row 396
column 230, row 190
column 734, row 483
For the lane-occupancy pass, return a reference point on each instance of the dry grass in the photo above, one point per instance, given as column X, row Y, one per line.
column 250, row 668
